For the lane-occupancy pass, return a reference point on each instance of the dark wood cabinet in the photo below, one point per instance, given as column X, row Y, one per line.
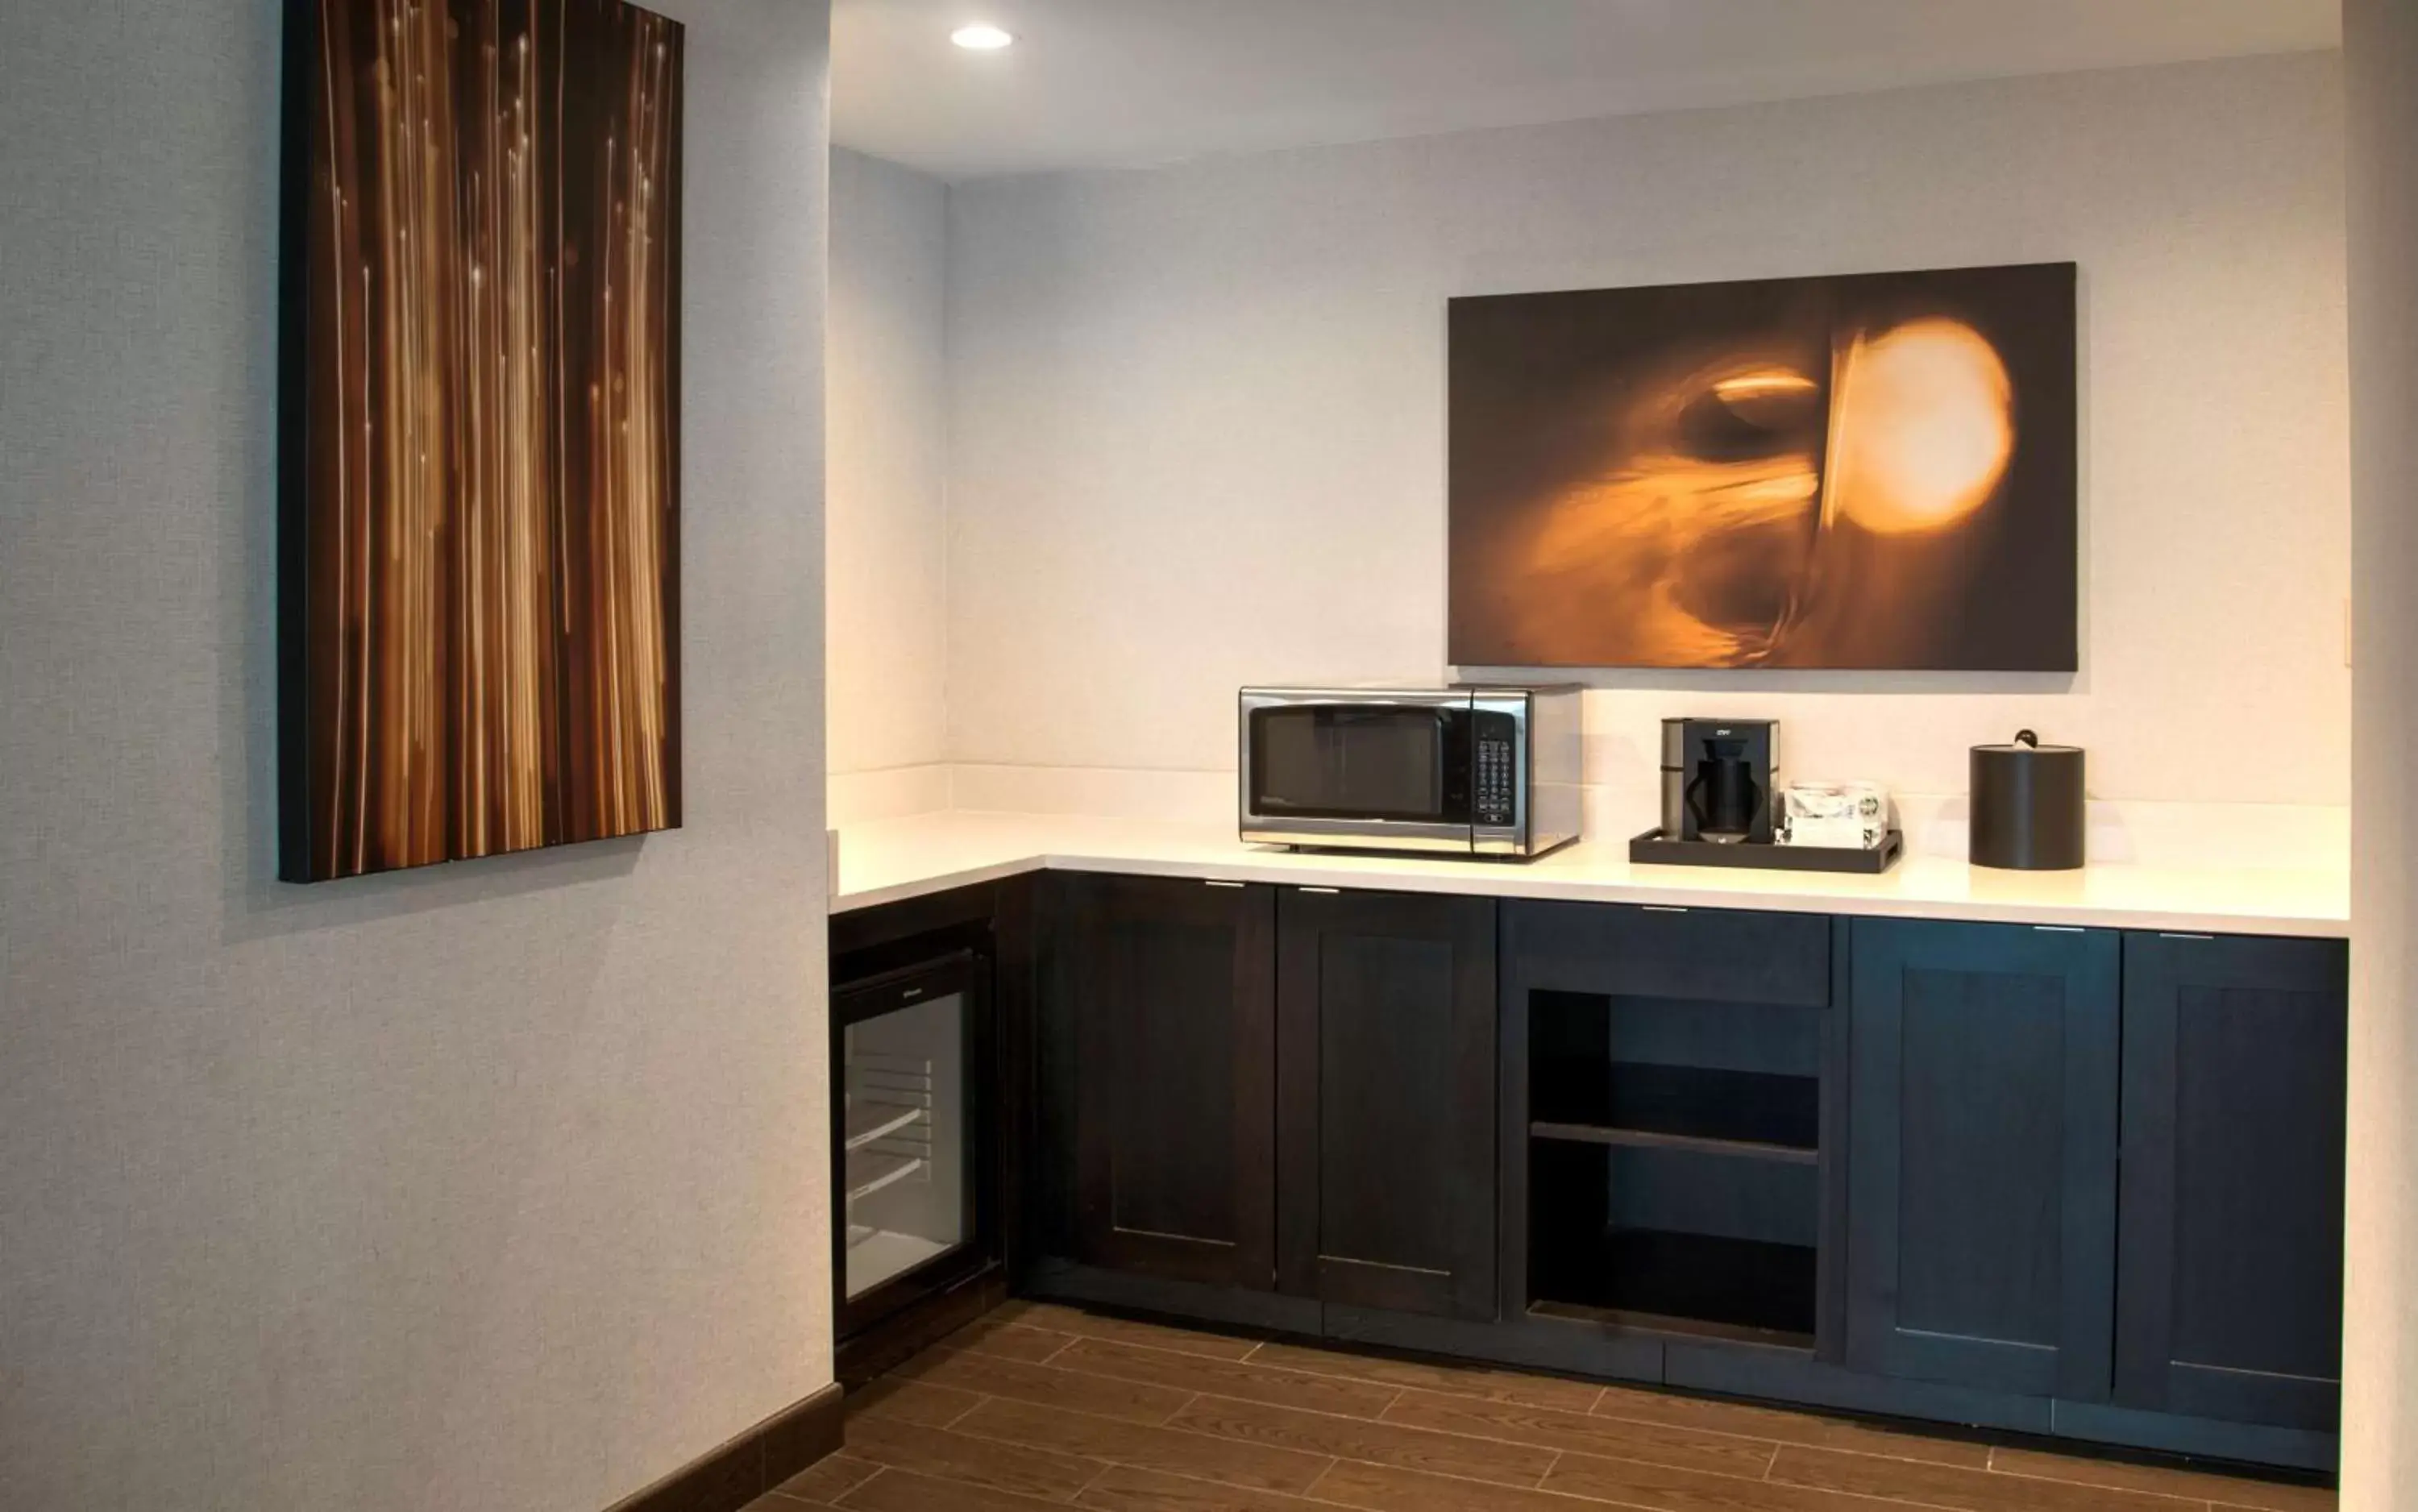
column 1300, row 1100
column 1653, row 950
column 2060, row 1181
column 1385, row 1100
column 2229, row 1278
column 1159, row 1023
column 1983, row 1155
column 1668, row 1076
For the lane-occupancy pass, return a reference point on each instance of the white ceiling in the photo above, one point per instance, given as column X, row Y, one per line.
column 1130, row 82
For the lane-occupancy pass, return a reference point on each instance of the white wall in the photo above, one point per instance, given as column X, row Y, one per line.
column 888, row 612
column 499, row 1185
column 1197, row 419
column 2379, row 1462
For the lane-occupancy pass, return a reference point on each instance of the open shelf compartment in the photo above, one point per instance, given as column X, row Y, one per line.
column 1674, row 1239
column 1705, row 1073
column 1675, row 1177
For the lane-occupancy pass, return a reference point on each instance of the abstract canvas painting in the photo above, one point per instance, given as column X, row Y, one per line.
column 1872, row 471
column 480, row 430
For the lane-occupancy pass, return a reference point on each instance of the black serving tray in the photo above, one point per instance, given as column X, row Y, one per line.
column 1651, row 848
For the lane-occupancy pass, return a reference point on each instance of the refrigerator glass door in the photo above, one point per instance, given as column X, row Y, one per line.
column 906, row 1162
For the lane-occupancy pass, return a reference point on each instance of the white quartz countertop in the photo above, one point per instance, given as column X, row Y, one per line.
column 889, row 860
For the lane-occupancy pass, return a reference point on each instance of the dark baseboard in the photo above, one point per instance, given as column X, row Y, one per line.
column 896, row 1340
column 1199, row 1304
column 728, row 1478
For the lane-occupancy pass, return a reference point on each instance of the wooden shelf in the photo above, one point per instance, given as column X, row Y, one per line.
column 1681, row 1282
column 1665, row 1324
column 1709, row 1103
column 1654, row 1139
column 1636, row 1229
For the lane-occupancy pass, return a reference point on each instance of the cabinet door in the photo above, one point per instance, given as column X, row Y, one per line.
column 1169, row 989
column 2230, row 1283
column 1385, row 1139
column 1981, row 1157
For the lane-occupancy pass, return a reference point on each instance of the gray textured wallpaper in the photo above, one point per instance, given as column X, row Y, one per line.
column 501, row 1185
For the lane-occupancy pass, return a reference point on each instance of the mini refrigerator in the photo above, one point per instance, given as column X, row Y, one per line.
column 911, row 1166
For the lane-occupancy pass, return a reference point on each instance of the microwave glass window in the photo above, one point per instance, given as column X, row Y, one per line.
column 903, row 1079
column 1339, row 761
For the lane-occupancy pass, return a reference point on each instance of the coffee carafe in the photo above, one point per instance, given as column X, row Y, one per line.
column 1717, row 778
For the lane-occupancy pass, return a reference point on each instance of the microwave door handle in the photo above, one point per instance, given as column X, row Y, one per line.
column 1257, row 698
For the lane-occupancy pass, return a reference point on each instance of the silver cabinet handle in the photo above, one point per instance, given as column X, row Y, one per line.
column 2168, row 934
column 1661, row 908
column 1330, row 891
column 1212, row 883
column 2061, row 929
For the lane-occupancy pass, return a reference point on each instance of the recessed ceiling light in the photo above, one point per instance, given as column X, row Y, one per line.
column 981, row 39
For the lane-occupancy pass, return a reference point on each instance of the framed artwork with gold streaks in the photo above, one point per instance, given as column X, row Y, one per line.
column 479, row 430
column 1873, row 471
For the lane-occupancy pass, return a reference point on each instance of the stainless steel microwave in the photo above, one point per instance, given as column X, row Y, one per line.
column 1465, row 770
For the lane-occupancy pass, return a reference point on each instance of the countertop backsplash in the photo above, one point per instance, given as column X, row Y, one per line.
column 2282, row 836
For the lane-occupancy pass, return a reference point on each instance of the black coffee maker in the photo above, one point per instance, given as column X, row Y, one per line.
column 1718, row 779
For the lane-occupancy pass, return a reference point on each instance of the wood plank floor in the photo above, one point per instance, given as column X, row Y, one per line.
column 1039, row 1406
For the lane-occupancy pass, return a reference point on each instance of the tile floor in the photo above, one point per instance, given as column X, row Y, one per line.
column 1040, row 1405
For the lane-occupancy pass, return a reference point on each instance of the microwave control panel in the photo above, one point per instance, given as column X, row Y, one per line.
column 1495, row 797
